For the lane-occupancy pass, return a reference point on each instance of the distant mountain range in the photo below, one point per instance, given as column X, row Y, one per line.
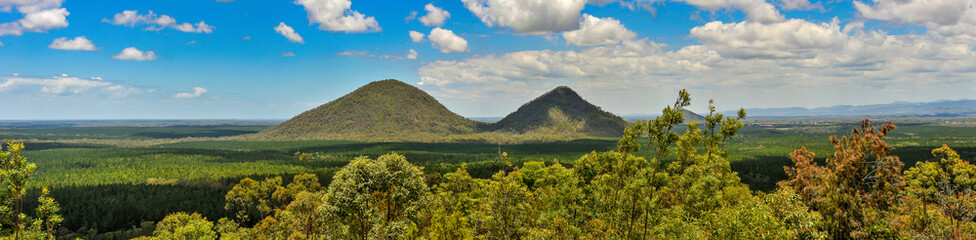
column 942, row 108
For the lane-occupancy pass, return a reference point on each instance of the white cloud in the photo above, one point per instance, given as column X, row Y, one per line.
column 941, row 12
column 79, row 43
column 629, row 4
column 411, row 17
column 39, row 16
column 529, row 16
column 756, row 10
column 337, row 16
column 289, row 33
column 435, row 16
column 796, row 69
column 788, row 39
column 356, row 53
column 288, row 54
column 955, row 19
column 416, row 36
column 132, row 18
column 598, row 31
column 131, row 53
column 799, row 5
column 64, row 85
column 412, row 54
column 447, row 41
column 197, row 91
column 44, row 20
column 1, row 44
column 199, row 27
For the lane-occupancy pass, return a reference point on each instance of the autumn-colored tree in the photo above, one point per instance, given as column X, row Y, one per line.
column 857, row 187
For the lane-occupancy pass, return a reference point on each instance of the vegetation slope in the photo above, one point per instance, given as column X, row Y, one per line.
column 562, row 110
column 381, row 110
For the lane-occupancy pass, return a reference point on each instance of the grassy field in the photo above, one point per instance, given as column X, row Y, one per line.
column 90, row 173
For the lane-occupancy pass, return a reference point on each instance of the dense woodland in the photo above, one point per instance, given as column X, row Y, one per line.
column 659, row 183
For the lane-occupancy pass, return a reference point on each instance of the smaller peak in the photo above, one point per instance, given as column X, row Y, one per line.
column 562, row 90
column 387, row 84
column 388, row 81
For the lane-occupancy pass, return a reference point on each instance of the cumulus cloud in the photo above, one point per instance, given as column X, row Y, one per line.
column 799, row 5
column 598, row 31
column 412, row 54
column 288, row 54
column 528, row 16
column 447, row 41
column 435, row 16
column 629, row 4
column 63, row 85
column 289, row 33
column 416, row 36
column 39, row 16
column 756, row 10
column 132, row 18
column 948, row 18
column 793, row 38
column 134, row 54
column 197, row 91
column 794, row 66
column 79, row 43
column 337, row 16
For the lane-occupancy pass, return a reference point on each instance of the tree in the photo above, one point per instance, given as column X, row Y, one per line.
column 15, row 170
column 183, row 226
column 858, row 186
column 939, row 199
column 47, row 212
column 304, row 157
column 377, row 198
column 251, row 199
column 455, row 206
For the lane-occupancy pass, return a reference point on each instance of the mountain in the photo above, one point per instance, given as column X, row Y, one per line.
column 942, row 108
column 381, row 110
column 692, row 116
column 562, row 110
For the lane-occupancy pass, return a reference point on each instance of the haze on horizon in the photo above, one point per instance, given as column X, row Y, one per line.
column 225, row 59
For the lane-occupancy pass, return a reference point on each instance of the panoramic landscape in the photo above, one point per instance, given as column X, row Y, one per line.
column 487, row 119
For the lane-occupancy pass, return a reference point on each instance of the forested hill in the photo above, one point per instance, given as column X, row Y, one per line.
column 387, row 109
column 562, row 109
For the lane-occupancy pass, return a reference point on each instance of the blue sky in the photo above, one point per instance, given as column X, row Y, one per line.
column 182, row 59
